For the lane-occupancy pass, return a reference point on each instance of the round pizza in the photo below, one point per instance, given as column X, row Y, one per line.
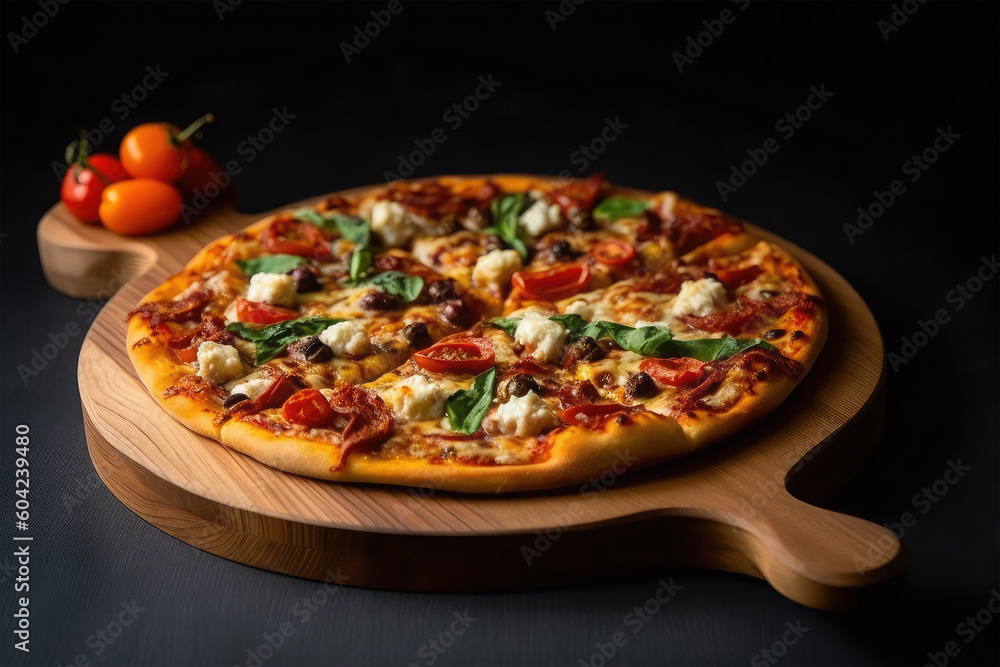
column 479, row 334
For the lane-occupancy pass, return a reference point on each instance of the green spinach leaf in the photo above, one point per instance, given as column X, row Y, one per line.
column 271, row 340
column 396, row 283
column 466, row 408
column 616, row 207
column 505, row 211
column 270, row 264
column 508, row 324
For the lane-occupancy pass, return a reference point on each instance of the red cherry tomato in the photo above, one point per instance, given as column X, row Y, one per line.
column 159, row 150
column 255, row 312
column 613, row 252
column 139, row 206
column 187, row 354
column 579, row 195
column 673, row 372
column 290, row 237
column 85, row 181
column 553, row 284
column 591, row 414
column 204, row 174
column 468, row 355
column 307, row 408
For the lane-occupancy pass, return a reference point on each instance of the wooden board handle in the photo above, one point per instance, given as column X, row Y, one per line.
column 816, row 556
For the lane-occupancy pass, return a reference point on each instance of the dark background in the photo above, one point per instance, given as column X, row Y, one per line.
column 684, row 131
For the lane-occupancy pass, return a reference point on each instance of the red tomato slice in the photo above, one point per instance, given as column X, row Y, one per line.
column 590, row 414
column 275, row 395
column 255, row 312
column 307, row 408
column 187, row 354
column 673, row 372
column 290, row 237
column 579, row 195
column 613, row 252
column 733, row 278
column 553, row 284
column 468, row 355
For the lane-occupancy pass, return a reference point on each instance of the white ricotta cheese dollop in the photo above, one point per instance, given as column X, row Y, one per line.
column 525, row 416
column 700, row 298
column 350, row 337
column 251, row 388
column 417, row 399
column 496, row 267
column 393, row 224
column 541, row 217
column 543, row 337
column 275, row 288
column 218, row 363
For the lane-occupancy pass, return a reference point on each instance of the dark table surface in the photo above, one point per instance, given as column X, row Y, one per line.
column 108, row 589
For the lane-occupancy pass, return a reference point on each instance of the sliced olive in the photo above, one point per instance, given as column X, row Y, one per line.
column 516, row 386
column 305, row 279
column 378, row 300
column 416, row 335
column 233, row 400
column 442, row 290
column 582, row 349
column 317, row 351
column 639, row 385
column 774, row 333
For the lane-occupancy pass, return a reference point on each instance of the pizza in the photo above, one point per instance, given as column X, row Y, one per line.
column 479, row 334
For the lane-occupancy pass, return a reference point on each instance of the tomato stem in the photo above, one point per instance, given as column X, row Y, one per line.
column 76, row 156
column 193, row 127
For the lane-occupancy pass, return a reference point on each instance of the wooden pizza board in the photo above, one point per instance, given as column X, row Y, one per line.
column 742, row 506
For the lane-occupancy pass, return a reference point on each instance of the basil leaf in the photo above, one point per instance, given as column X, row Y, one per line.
column 616, row 207
column 397, row 283
column 270, row 341
column 466, row 408
column 505, row 211
column 270, row 264
column 658, row 341
column 351, row 227
column 509, row 324
column 361, row 261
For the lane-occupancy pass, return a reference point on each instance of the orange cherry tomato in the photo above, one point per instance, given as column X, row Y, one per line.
column 139, row 206
column 471, row 355
column 159, row 150
column 613, row 252
column 307, row 407
column 553, row 284
column 673, row 372
column 255, row 312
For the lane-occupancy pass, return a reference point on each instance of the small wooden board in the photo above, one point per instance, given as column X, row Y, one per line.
column 734, row 507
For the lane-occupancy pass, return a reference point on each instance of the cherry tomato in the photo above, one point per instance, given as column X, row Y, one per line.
column 673, row 372
column 590, row 414
column 255, row 312
column 290, row 237
column 204, row 174
column 553, row 284
column 159, row 150
column 579, row 195
column 468, row 355
column 307, row 408
column 85, row 181
column 139, row 206
column 733, row 278
column 613, row 252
